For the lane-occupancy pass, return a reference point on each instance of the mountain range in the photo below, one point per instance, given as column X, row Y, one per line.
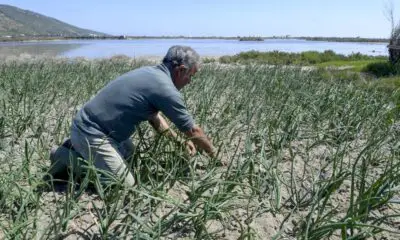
column 19, row 22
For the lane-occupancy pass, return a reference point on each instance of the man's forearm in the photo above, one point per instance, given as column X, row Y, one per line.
column 161, row 126
column 196, row 134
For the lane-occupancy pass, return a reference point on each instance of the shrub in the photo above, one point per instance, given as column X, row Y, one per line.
column 311, row 57
column 209, row 60
column 330, row 55
column 382, row 69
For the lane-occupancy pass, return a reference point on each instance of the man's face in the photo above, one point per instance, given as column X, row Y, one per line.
column 183, row 76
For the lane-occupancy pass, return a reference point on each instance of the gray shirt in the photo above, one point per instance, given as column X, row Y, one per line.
column 130, row 99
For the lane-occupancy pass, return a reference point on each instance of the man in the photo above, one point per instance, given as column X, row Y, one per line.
column 101, row 130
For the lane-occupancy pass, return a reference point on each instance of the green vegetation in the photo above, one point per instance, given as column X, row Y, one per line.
column 310, row 156
column 303, row 58
column 356, row 65
column 18, row 22
column 387, row 74
column 382, row 68
column 387, row 83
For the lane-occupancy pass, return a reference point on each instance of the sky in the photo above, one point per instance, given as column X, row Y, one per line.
column 325, row 18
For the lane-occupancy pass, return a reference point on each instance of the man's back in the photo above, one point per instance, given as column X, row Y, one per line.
column 131, row 99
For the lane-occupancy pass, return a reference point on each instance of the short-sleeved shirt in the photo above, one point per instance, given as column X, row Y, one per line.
column 130, row 99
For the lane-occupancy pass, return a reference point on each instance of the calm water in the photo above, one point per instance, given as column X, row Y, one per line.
column 158, row 47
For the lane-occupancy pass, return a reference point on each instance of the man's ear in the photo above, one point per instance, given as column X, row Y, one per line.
column 176, row 70
column 179, row 68
column 182, row 68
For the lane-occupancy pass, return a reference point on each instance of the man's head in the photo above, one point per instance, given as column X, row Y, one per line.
column 183, row 63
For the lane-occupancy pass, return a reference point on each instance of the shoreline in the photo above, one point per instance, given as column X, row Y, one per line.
column 315, row 39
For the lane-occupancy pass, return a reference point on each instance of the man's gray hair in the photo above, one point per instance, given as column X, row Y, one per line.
column 178, row 55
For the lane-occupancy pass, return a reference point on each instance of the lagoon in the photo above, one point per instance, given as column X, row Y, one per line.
column 158, row 47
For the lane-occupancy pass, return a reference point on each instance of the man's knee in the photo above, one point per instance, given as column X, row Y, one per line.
column 63, row 157
column 127, row 149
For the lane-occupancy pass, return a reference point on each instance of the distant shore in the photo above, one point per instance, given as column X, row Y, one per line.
column 238, row 38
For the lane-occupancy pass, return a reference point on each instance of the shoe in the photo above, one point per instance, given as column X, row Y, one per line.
column 53, row 151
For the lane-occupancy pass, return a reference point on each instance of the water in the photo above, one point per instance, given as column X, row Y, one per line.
column 158, row 47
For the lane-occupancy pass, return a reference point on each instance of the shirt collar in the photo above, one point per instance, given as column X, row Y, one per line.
column 165, row 69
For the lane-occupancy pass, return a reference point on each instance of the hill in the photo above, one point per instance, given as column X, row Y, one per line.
column 19, row 22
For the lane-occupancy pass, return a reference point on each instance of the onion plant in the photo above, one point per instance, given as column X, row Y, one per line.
column 320, row 155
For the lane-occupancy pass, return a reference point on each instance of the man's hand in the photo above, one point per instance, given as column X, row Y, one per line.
column 190, row 148
column 161, row 126
column 196, row 134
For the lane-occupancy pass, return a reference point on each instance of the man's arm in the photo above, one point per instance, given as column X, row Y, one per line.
column 161, row 126
column 195, row 135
